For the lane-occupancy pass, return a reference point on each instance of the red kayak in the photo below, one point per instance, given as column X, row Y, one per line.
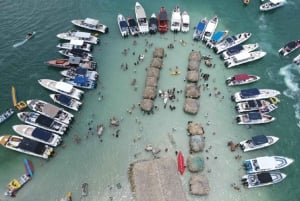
column 180, row 163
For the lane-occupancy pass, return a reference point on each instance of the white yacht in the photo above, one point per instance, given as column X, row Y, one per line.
column 185, row 21
column 238, row 49
column 78, row 71
column 251, row 118
column 271, row 4
column 258, row 142
column 141, row 18
column 176, row 19
column 241, row 79
column 244, row 57
column 91, row 24
column 76, row 44
column 62, row 88
column 262, row 179
column 262, row 105
column 210, row 28
column 123, row 25
column 254, row 94
column 79, row 35
column 66, row 101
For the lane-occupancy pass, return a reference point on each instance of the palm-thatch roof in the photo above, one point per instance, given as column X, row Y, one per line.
column 195, row 129
column 150, row 92
column 194, row 55
column 192, row 91
column 192, row 76
column 156, row 63
column 191, row 106
column 159, row 53
column 199, row 185
column 194, row 65
column 147, row 105
column 151, row 82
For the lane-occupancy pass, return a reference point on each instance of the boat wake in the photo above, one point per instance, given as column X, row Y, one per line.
column 20, row 43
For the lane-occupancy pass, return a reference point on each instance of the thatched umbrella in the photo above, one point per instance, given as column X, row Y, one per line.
column 192, row 76
column 199, row 185
column 195, row 56
column 197, row 143
column 159, row 53
column 150, row 93
column 191, row 106
column 195, row 163
column 153, row 72
column 147, row 105
column 195, row 129
column 194, row 65
column 156, row 63
column 192, row 91
column 151, row 82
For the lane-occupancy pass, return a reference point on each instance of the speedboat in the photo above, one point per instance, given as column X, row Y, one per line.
column 262, row 179
column 80, row 82
column 38, row 134
column 210, row 28
column 66, row 101
column 254, row 118
column 289, row 47
column 238, row 49
column 26, row 146
column 176, row 20
column 266, row 163
column 50, row 110
column 8, row 113
column 241, row 79
column 42, row 121
column 123, row 25
column 296, row 60
column 83, row 72
column 258, row 142
column 263, row 106
column 244, row 57
column 16, row 184
column 91, row 24
column 199, row 30
column 231, row 41
column 185, row 21
column 153, row 24
column 79, row 35
column 84, row 56
column 141, row 18
column 30, row 35
column 217, row 38
column 76, row 44
column 72, row 62
column 133, row 26
column 62, row 88
column 162, row 20
column 271, row 4
column 254, row 94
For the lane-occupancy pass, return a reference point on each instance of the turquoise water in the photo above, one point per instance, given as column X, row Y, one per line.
column 104, row 164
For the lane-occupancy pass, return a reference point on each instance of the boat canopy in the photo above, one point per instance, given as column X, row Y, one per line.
column 91, row 21
column 231, row 39
column 32, row 146
column 44, row 121
column 235, row 49
column 51, row 110
column 254, row 115
column 77, row 42
column 123, row 24
column 80, row 71
column 241, row 77
column 74, row 60
column 254, row 103
column 65, row 87
column 241, row 56
column 201, row 25
column 259, row 139
column 64, row 99
column 249, row 92
column 266, row 162
column 42, row 134
column 80, row 34
column 264, row 177
column 217, row 36
column 81, row 80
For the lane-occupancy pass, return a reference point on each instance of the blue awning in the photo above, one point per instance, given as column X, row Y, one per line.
column 254, row 115
column 259, row 139
column 64, row 99
column 81, row 80
column 249, row 92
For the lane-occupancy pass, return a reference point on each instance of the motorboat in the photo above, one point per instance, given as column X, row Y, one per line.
column 238, row 49
column 153, row 24
column 26, row 146
column 262, row 179
column 72, row 62
column 254, row 94
column 76, row 44
column 79, row 35
column 210, row 28
column 217, row 38
column 62, row 88
column 231, row 41
column 141, row 18
column 162, row 20
column 289, row 47
column 83, row 72
column 133, row 26
column 244, row 57
column 199, row 30
column 176, row 20
column 50, row 110
column 30, row 35
column 254, row 118
column 100, row 129
column 185, row 21
column 241, row 79
column 271, row 4
column 84, row 56
column 91, row 24
column 42, row 121
column 38, row 134
column 66, row 101
column 16, row 184
column 123, row 25
column 296, row 60
column 258, row 142
column 261, row 105
column 6, row 115
column 266, row 163
column 80, row 82
column 180, row 163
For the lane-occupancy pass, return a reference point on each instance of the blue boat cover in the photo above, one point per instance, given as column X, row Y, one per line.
column 231, row 39
column 32, row 146
column 44, row 121
column 42, row 134
column 123, row 24
column 201, row 26
column 216, row 37
column 254, row 115
column 64, row 99
column 249, row 92
column 235, row 49
column 259, row 139
column 81, row 71
column 81, row 80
